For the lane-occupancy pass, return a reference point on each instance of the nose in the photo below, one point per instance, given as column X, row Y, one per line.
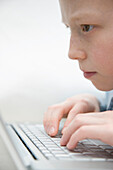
column 75, row 50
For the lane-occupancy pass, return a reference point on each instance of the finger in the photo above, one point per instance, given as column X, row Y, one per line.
column 81, row 107
column 51, row 121
column 78, row 121
column 76, row 109
column 46, row 121
column 87, row 132
column 54, row 122
column 53, row 116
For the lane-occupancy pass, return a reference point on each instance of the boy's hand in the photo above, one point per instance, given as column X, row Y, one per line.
column 71, row 107
column 93, row 125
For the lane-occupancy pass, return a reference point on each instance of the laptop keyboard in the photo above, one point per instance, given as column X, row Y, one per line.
column 86, row 150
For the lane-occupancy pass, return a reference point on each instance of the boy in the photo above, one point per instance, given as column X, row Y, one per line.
column 91, row 43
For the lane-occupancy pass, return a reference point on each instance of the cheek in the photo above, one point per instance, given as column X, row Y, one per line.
column 103, row 56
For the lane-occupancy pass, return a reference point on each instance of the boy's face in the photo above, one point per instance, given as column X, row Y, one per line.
column 91, row 41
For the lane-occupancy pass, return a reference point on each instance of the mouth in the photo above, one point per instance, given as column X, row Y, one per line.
column 88, row 74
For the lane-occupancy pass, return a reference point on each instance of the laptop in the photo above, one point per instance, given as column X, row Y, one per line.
column 30, row 148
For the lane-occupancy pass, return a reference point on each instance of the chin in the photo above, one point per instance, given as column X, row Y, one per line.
column 102, row 87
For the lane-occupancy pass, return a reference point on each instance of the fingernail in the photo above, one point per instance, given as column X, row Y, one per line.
column 63, row 130
column 51, row 131
column 47, row 130
column 62, row 142
column 68, row 146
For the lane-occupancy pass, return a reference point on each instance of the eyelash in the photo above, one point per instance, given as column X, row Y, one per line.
column 83, row 28
column 86, row 28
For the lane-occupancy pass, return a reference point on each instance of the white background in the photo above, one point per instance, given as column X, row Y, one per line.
column 35, row 70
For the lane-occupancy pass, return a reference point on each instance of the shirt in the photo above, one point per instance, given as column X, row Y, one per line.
column 108, row 103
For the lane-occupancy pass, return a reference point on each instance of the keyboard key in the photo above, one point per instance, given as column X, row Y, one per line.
column 50, row 146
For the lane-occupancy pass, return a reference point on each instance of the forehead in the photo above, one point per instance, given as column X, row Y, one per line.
column 71, row 8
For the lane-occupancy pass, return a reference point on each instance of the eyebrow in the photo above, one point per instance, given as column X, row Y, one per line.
column 80, row 14
column 83, row 15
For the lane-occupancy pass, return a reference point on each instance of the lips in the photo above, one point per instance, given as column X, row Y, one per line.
column 89, row 74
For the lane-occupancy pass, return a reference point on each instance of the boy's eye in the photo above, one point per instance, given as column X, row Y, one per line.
column 87, row 28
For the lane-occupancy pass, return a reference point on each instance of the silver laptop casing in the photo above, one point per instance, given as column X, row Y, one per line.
column 24, row 160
